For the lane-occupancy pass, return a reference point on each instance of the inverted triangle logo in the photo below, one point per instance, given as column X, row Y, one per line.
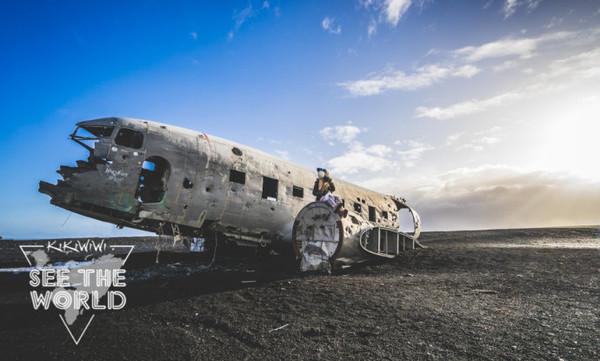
column 75, row 287
column 76, row 340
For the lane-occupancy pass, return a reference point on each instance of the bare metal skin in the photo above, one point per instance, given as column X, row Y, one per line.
column 169, row 180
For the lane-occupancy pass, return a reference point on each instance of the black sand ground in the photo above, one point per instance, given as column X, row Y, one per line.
column 509, row 294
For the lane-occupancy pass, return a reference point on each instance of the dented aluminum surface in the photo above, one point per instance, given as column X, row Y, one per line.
column 169, row 180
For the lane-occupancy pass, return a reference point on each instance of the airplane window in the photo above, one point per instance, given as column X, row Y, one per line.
column 298, row 192
column 357, row 207
column 270, row 188
column 100, row 131
column 372, row 214
column 237, row 177
column 187, row 183
column 384, row 214
column 148, row 165
column 91, row 134
column 129, row 138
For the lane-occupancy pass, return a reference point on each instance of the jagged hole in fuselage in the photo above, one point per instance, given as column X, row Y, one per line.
column 152, row 183
column 405, row 220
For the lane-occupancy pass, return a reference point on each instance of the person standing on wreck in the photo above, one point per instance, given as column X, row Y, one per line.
column 323, row 184
column 322, row 190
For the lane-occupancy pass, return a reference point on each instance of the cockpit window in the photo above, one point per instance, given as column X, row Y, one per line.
column 92, row 133
column 129, row 138
column 100, row 131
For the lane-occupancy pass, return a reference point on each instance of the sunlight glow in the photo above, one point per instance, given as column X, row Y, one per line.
column 570, row 142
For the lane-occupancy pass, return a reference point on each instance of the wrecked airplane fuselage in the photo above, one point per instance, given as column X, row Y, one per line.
column 174, row 181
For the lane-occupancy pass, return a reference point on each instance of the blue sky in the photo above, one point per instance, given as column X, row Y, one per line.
column 483, row 114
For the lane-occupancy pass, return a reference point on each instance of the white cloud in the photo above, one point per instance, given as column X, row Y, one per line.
column 503, row 197
column 283, row 154
column 582, row 65
column 373, row 158
column 509, row 64
column 431, row 51
column 379, row 150
column 249, row 12
column 554, row 22
column 386, row 11
column 478, row 141
column 493, row 197
column 366, row 3
column 272, row 141
column 594, row 98
column 465, row 108
column 451, row 139
column 510, row 6
column 465, row 71
column 429, row 74
column 372, row 29
column 560, row 74
column 413, row 153
column 328, row 25
column 523, row 48
column 395, row 9
column 242, row 16
column 392, row 80
column 532, row 4
column 527, row 71
column 354, row 161
column 343, row 133
column 194, row 35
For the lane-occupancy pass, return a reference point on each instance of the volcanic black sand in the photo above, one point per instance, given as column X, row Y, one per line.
column 507, row 294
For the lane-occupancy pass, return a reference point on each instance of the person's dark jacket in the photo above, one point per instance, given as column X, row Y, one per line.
column 318, row 193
